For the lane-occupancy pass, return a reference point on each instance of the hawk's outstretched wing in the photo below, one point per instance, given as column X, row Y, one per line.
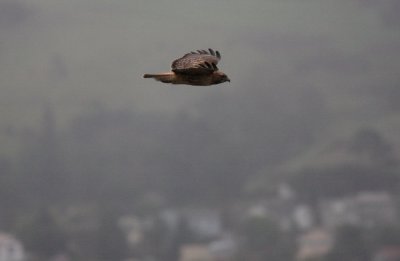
column 200, row 62
column 194, row 68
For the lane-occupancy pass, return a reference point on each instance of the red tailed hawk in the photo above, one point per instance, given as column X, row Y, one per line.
column 194, row 68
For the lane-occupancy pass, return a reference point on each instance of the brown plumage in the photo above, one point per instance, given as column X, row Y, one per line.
column 194, row 68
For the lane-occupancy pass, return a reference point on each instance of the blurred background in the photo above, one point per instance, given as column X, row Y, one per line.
column 296, row 159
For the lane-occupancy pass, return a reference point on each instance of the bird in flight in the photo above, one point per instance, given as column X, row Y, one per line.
column 194, row 68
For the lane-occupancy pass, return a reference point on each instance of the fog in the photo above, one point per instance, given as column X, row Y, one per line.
column 312, row 102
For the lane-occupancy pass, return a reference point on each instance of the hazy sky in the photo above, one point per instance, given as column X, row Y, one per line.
column 309, row 70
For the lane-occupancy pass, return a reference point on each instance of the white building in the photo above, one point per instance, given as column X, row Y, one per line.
column 203, row 222
column 10, row 248
column 314, row 244
column 368, row 209
column 195, row 252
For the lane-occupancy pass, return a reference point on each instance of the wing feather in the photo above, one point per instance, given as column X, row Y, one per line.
column 200, row 62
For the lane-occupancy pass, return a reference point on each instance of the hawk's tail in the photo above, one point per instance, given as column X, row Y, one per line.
column 162, row 77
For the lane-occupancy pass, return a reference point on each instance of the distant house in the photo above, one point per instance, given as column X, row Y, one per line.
column 275, row 209
column 203, row 222
column 368, row 209
column 10, row 248
column 60, row 257
column 281, row 208
column 195, row 252
column 303, row 217
column 224, row 248
column 389, row 253
column 314, row 244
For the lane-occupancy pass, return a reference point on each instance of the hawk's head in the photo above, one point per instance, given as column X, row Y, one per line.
column 220, row 77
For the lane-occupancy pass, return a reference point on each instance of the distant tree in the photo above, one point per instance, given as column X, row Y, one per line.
column 153, row 243
column 41, row 170
column 264, row 241
column 315, row 259
column 315, row 183
column 386, row 236
column 111, row 241
column 371, row 164
column 41, row 235
column 175, row 239
column 350, row 244
column 370, row 144
column 8, row 195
